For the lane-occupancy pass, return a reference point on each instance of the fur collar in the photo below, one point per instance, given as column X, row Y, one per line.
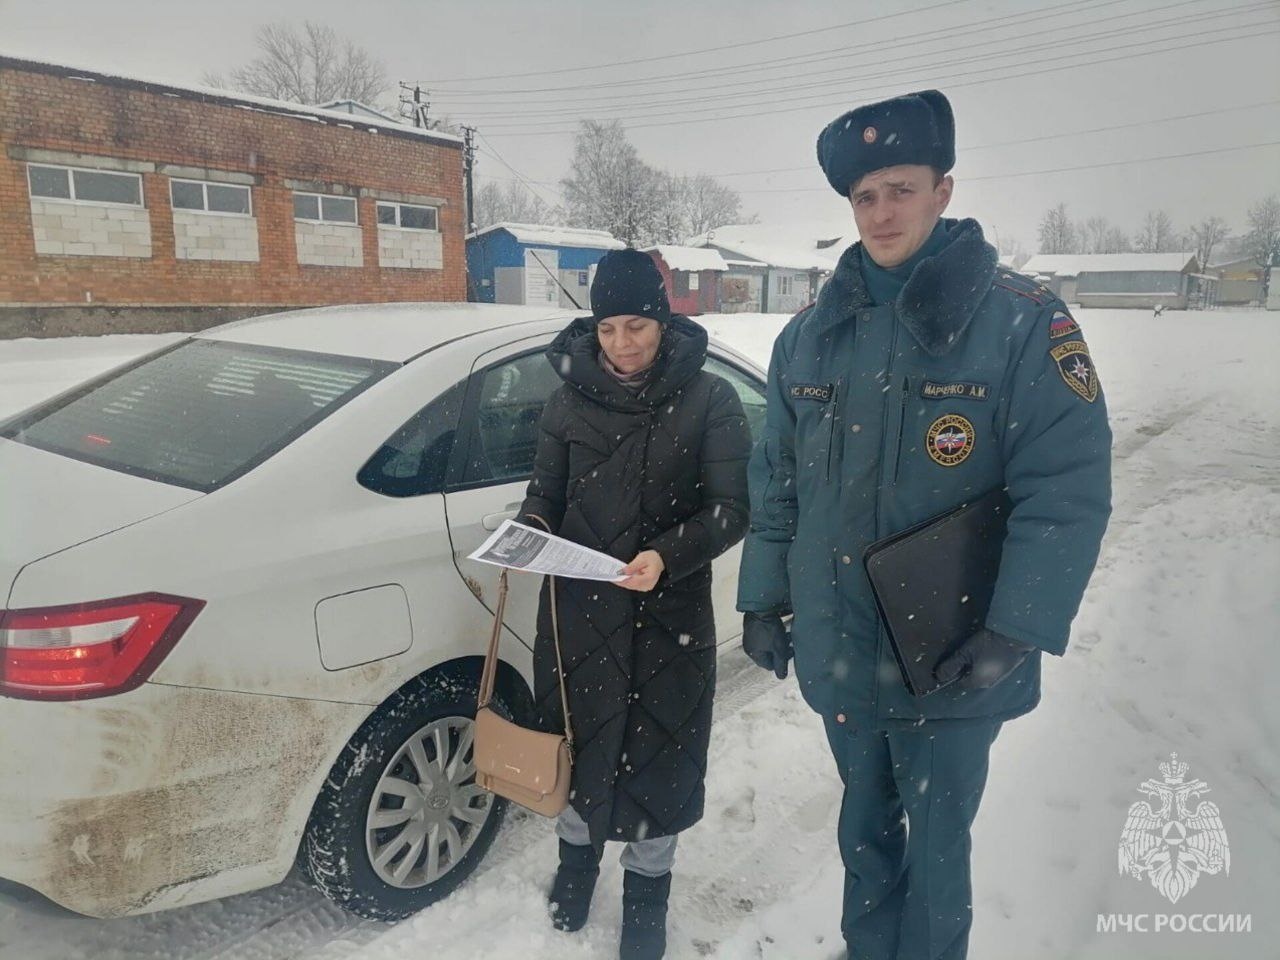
column 939, row 298
column 575, row 355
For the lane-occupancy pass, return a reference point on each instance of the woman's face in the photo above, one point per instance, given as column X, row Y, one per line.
column 630, row 342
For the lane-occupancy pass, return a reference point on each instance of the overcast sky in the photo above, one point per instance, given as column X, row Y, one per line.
column 1015, row 71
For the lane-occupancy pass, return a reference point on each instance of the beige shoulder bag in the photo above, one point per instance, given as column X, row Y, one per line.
column 527, row 766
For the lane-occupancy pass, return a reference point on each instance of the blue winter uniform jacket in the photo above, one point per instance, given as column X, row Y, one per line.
column 880, row 417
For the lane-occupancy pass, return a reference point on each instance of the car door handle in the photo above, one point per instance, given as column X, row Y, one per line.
column 492, row 521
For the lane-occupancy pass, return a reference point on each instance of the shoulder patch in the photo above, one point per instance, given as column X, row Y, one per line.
column 1075, row 366
column 1023, row 286
column 1062, row 325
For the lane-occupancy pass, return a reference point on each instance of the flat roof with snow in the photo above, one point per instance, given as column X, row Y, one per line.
column 556, row 236
column 1074, row 264
column 691, row 259
column 229, row 98
column 767, row 245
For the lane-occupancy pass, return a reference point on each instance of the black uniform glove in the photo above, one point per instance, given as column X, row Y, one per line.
column 982, row 661
column 767, row 641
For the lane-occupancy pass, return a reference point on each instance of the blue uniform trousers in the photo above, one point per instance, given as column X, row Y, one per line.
column 910, row 797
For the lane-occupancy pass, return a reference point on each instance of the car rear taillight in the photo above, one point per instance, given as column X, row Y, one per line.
column 89, row 649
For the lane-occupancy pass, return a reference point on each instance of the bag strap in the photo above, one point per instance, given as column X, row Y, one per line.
column 564, row 695
column 489, row 675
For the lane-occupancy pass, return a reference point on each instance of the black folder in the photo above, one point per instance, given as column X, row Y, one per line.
column 933, row 583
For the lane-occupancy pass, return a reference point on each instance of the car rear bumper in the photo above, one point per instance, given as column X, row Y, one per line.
column 162, row 796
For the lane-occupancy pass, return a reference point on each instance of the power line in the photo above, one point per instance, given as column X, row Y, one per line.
column 1035, row 173
column 812, row 167
column 801, row 80
column 728, row 46
column 493, row 152
column 792, row 100
column 848, row 96
column 835, row 53
column 1217, row 111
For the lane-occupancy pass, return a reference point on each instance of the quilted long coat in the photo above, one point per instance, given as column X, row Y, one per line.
column 661, row 470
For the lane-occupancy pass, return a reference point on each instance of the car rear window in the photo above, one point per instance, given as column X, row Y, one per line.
column 199, row 414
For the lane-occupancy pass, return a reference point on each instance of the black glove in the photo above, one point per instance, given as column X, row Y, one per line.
column 982, row 661
column 767, row 641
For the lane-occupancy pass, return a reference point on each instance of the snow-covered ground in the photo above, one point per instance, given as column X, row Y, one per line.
column 1174, row 650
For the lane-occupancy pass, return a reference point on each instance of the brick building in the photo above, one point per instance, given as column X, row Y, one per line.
column 128, row 205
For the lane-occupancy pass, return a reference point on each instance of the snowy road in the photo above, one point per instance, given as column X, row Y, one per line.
column 1174, row 650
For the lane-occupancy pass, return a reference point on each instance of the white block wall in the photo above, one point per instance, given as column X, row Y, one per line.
column 416, row 249
column 204, row 236
column 90, row 229
column 329, row 244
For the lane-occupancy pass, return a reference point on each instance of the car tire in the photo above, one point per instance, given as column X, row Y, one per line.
column 425, row 723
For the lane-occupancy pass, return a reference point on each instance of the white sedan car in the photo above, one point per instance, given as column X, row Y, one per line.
column 237, row 621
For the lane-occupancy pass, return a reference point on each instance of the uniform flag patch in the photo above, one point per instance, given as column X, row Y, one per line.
column 811, row 391
column 1062, row 325
column 949, row 440
column 964, row 390
column 1076, row 367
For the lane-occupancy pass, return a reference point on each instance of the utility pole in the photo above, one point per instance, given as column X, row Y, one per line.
column 411, row 96
column 468, row 169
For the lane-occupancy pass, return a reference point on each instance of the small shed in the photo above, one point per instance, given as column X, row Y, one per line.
column 535, row 264
column 1240, row 281
column 767, row 271
column 1142, row 280
column 692, row 276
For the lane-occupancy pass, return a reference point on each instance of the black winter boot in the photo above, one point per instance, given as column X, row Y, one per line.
column 570, row 898
column 644, row 916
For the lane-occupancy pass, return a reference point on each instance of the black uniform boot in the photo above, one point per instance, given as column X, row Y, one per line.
column 644, row 916
column 570, row 898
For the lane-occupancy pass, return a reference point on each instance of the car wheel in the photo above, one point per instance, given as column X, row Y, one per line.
column 400, row 822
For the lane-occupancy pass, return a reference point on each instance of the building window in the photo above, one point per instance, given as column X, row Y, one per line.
column 784, row 284
column 322, row 208
column 407, row 216
column 693, row 282
column 84, row 186
column 210, row 197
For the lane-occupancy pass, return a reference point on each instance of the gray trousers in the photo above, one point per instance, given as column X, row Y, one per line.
column 649, row 858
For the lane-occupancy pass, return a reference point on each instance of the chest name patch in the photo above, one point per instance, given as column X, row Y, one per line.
column 812, row 391
column 950, row 440
column 961, row 389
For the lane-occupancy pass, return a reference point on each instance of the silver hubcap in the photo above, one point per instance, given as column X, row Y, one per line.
column 427, row 810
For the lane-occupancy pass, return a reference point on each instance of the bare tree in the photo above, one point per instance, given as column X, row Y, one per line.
column 1263, row 239
column 1093, row 235
column 306, row 65
column 1206, row 235
column 671, row 224
column 514, row 203
column 1157, row 234
column 710, row 204
column 1117, row 241
column 1057, row 233
column 1098, row 235
column 609, row 187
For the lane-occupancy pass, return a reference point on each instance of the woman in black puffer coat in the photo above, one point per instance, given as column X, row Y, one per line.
column 641, row 455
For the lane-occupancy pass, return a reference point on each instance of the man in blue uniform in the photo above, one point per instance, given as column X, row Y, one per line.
column 923, row 376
